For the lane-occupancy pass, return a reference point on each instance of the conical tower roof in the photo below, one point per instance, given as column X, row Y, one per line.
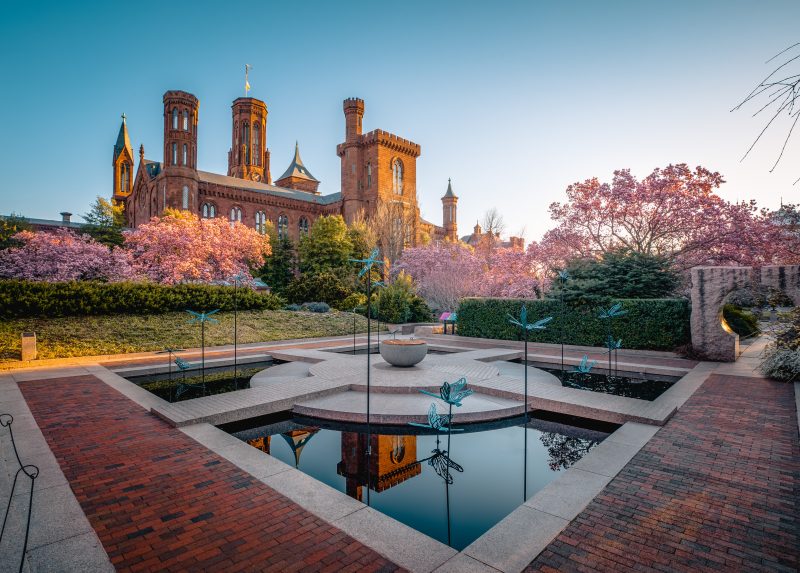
column 123, row 141
column 296, row 168
column 449, row 193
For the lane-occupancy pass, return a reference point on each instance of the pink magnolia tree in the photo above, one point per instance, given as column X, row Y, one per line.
column 674, row 212
column 181, row 247
column 447, row 272
column 63, row 256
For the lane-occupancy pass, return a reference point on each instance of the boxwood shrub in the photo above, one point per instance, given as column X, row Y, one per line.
column 654, row 324
column 21, row 299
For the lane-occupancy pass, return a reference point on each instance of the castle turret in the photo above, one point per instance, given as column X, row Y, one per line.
column 449, row 219
column 353, row 113
column 180, row 151
column 248, row 157
column 123, row 164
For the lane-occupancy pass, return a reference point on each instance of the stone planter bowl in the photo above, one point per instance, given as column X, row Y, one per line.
column 403, row 353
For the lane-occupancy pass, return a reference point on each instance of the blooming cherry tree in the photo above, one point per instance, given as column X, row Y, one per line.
column 63, row 256
column 181, row 247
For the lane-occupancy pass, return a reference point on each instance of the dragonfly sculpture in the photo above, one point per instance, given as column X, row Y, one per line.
column 586, row 365
column 373, row 259
column 452, row 394
column 442, row 465
column 170, row 351
column 202, row 318
column 615, row 311
column 526, row 327
column 436, row 421
column 183, row 366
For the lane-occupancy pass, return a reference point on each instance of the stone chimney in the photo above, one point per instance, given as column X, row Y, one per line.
column 65, row 215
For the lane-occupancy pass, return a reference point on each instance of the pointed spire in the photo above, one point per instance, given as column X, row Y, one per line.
column 123, row 141
column 296, row 168
column 449, row 192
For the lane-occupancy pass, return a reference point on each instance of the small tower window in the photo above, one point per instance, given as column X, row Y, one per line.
column 283, row 227
column 185, row 197
column 303, row 226
column 174, row 118
column 397, row 177
column 369, row 175
column 256, row 144
column 174, row 153
column 261, row 222
column 185, row 154
column 246, row 142
column 236, row 215
column 123, row 177
column 185, row 120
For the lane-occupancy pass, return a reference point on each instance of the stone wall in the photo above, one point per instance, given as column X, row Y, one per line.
column 710, row 287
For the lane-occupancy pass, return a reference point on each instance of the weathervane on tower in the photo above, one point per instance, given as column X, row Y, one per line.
column 247, row 68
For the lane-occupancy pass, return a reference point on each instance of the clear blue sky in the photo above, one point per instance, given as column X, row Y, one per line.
column 513, row 100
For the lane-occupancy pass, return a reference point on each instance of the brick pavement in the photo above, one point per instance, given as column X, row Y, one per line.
column 160, row 501
column 717, row 489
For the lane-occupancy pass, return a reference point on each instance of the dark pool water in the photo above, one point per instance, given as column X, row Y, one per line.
column 176, row 387
column 406, row 476
column 640, row 388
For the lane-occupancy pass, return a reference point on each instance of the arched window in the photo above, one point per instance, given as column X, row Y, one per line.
column 185, row 120
column 283, row 227
column 246, row 142
column 185, row 197
column 369, row 175
column 256, row 144
column 397, row 176
column 236, row 215
column 303, row 226
column 185, row 154
column 261, row 222
column 123, row 177
column 174, row 153
column 209, row 211
column 174, row 118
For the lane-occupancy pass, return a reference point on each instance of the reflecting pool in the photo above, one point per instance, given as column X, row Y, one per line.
column 452, row 489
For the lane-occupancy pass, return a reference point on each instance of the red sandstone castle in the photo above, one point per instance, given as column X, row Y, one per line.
column 378, row 168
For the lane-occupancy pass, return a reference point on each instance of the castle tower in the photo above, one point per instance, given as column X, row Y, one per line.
column 297, row 176
column 123, row 164
column 248, row 157
column 449, row 220
column 353, row 114
column 180, row 151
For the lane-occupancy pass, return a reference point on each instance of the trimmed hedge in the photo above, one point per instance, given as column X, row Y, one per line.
column 653, row 324
column 22, row 299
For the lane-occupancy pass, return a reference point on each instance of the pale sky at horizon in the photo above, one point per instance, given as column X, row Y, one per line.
column 512, row 100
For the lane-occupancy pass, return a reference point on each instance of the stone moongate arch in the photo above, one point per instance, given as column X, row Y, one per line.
column 711, row 285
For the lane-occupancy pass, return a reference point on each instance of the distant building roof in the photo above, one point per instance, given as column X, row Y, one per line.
column 296, row 168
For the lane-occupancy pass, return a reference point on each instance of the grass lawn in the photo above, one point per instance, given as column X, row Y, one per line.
column 117, row 334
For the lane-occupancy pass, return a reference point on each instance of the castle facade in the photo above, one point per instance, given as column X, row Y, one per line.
column 378, row 169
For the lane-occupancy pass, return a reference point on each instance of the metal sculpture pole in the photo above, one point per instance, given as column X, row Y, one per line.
column 170, row 351
column 366, row 270
column 563, row 276
column 526, row 327
column 615, row 311
column 354, row 331
column 202, row 318
column 237, row 278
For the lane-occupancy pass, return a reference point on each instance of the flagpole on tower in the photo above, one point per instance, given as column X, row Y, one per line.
column 247, row 68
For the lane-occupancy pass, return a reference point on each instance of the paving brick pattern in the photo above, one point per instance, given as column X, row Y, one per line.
column 717, row 489
column 160, row 501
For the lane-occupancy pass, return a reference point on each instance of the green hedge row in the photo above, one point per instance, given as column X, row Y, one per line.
column 19, row 299
column 654, row 324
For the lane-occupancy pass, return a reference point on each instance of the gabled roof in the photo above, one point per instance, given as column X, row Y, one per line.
column 449, row 192
column 123, row 141
column 273, row 190
column 297, row 169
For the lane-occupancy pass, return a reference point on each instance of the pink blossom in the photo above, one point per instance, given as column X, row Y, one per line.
column 63, row 256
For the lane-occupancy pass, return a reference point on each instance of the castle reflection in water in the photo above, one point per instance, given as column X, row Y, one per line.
column 393, row 459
